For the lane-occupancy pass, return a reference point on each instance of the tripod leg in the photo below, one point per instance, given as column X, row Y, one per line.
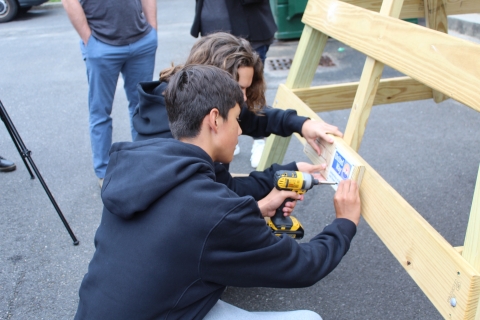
column 9, row 125
column 25, row 154
column 50, row 196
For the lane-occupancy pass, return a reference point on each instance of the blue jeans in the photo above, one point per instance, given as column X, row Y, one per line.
column 262, row 52
column 104, row 63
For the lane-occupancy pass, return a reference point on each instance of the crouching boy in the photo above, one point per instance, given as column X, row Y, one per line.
column 171, row 238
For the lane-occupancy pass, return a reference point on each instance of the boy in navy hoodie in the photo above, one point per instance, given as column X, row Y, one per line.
column 171, row 238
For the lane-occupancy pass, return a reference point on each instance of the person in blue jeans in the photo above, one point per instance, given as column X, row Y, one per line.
column 117, row 37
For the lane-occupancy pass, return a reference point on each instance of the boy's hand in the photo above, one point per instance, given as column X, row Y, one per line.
column 313, row 169
column 347, row 201
column 274, row 200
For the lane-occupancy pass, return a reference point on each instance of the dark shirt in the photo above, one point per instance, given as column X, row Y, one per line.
column 214, row 17
column 249, row 19
column 116, row 22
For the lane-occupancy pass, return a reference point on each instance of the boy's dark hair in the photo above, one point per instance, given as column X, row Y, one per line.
column 193, row 92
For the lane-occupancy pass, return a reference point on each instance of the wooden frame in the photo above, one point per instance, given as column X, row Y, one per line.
column 438, row 68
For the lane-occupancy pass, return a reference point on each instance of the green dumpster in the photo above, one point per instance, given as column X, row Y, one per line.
column 288, row 17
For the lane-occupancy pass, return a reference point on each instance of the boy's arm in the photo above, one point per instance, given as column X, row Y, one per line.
column 254, row 257
column 78, row 19
column 258, row 184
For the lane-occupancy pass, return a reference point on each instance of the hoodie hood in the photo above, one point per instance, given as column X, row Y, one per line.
column 150, row 118
column 139, row 173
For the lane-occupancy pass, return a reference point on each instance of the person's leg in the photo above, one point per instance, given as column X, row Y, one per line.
column 258, row 142
column 103, row 63
column 6, row 165
column 257, row 151
column 223, row 311
column 262, row 52
column 139, row 68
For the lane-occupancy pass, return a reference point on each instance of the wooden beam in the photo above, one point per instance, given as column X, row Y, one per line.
column 340, row 96
column 363, row 102
column 239, row 175
column 307, row 57
column 436, row 19
column 442, row 62
column 273, row 152
column 415, row 8
column 471, row 251
column 367, row 88
column 427, row 257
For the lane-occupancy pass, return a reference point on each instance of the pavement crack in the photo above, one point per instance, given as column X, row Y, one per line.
column 16, row 290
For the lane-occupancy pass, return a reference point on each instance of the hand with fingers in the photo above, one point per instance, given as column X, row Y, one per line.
column 313, row 169
column 275, row 199
column 347, row 201
column 312, row 130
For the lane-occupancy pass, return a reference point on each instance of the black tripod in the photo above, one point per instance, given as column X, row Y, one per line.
column 25, row 154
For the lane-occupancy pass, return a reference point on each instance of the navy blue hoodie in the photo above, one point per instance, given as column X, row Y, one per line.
column 171, row 239
column 150, row 120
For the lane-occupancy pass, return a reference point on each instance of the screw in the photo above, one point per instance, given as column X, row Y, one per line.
column 453, row 302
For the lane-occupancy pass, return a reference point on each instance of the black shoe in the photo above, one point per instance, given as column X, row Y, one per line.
column 6, row 166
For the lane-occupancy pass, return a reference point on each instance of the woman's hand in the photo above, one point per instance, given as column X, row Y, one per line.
column 312, row 130
column 274, row 200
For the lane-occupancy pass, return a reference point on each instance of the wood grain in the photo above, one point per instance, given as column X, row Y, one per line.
column 442, row 62
column 340, row 96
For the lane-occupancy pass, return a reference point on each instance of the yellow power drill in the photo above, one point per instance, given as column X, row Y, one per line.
column 297, row 181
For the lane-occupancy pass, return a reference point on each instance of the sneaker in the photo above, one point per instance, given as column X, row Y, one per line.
column 6, row 165
column 257, row 150
column 237, row 150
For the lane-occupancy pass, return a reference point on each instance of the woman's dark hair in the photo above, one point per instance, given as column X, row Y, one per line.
column 229, row 53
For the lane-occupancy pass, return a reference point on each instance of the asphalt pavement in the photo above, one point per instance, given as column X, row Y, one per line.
column 429, row 153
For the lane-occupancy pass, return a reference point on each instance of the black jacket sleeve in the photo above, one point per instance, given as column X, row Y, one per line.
column 270, row 120
column 258, row 184
column 251, row 256
column 195, row 30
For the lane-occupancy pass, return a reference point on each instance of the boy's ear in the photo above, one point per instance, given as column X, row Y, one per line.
column 213, row 119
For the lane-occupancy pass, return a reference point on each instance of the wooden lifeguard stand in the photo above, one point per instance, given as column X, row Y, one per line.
column 440, row 67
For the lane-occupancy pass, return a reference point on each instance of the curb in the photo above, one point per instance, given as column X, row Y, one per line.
column 468, row 25
column 48, row 5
